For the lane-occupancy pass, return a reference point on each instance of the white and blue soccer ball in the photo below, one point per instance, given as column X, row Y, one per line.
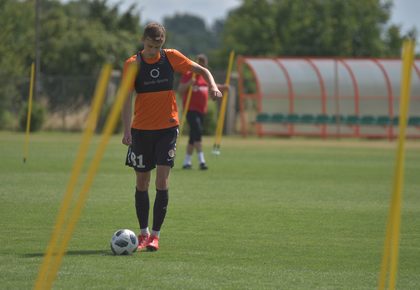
column 124, row 242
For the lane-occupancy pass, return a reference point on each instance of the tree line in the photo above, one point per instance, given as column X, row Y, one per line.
column 314, row 28
column 77, row 37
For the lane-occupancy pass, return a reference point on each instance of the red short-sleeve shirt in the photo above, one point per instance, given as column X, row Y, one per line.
column 199, row 95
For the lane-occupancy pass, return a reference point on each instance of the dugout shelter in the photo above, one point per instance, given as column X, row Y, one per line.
column 325, row 97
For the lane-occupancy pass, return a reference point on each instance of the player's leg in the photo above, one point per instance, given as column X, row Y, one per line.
column 160, row 206
column 161, row 201
column 199, row 119
column 196, row 132
column 190, row 146
column 142, row 199
column 142, row 204
column 165, row 154
column 202, row 161
column 188, row 156
column 141, row 158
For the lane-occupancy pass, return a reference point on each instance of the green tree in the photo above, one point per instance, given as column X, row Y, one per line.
column 189, row 34
column 393, row 41
column 251, row 29
column 314, row 27
column 16, row 53
column 80, row 36
column 76, row 39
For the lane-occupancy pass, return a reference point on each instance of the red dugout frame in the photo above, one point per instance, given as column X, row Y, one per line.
column 322, row 130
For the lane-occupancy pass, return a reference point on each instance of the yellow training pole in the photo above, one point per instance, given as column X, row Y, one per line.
column 77, row 167
column 390, row 256
column 186, row 107
column 28, row 118
column 222, row 113
column 93, row 167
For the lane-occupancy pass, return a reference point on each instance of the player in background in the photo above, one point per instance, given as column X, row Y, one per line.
column 152, row 132
column 196, row 111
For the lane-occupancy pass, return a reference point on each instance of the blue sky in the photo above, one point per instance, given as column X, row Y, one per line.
column 209, row 10
column 405, row 12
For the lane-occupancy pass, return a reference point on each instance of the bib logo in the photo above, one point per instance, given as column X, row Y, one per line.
column 154, row 73
column 171, row 153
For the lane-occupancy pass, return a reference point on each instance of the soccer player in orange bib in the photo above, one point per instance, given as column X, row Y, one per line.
column 152, row 133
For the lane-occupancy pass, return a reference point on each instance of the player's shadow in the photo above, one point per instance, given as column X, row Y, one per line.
column 75, row 253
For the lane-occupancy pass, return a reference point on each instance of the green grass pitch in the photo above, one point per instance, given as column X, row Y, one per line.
column 268, row 214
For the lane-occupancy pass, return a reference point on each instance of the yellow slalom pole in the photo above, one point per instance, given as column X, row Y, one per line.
column 222, row 113
column 28, row 118
column 93, row 167
column 390, row 256
column 186, row 107
column 97, row 102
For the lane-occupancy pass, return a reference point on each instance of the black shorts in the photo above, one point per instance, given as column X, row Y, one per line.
column 195, row 120
column 152, row 147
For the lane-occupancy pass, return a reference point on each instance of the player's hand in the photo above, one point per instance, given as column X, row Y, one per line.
column 126, row 140
column 215, row 94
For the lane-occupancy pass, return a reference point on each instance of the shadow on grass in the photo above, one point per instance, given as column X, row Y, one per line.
column 74, row 253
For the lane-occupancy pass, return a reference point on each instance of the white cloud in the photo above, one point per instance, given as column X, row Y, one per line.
column 156, row 10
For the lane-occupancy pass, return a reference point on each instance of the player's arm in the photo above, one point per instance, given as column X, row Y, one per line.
column 184, row 85
column 183, row 64
column 223, row 87
column 214, row 91
column 126, row 114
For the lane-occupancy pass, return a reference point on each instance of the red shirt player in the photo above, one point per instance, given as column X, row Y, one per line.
column 196, row 111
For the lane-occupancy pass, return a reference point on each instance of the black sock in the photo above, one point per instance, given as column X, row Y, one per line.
column 159, row 209
column 142, row 208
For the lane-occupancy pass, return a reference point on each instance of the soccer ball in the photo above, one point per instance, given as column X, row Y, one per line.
column 124, row 242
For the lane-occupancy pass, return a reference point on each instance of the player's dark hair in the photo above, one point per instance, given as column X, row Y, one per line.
column 154, row 31
column 202, row 60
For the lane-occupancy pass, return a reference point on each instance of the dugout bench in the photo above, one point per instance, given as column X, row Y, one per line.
column 322, row 119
